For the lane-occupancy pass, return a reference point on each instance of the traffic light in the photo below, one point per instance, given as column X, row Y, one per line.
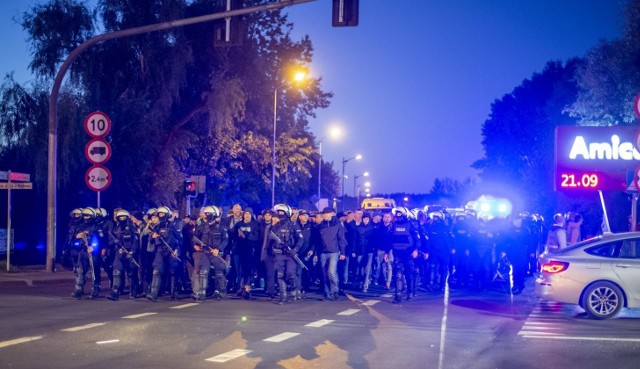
column 345, row 13
column 190, row 188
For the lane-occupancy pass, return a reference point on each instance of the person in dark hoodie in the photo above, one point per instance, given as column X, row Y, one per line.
column 332, row 248
column 247, row 232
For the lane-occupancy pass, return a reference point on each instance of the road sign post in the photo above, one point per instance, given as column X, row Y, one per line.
column 21, row 183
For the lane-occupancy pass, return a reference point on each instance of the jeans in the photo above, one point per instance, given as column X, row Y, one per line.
column 329, row 261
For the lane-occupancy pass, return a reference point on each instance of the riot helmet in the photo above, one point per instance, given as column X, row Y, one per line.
column 284, row 208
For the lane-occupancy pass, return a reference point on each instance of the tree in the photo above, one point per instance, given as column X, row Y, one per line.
column 178, row 104
column 608, row 80
column 518, row 138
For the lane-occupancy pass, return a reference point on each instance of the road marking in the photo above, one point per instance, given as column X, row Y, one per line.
column 541, row 328
column 18, row 341
column 185, row 305
column 348, row 312
column 578, row 338
column 386, row 295
column 526, row 333
column 82, row 327
column 233, row 354
column 107, row 341
column 134, row 316
column 281, row 337
column 319, row 323
column 370, row 302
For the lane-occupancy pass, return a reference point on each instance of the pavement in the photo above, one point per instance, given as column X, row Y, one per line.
column 34, row 275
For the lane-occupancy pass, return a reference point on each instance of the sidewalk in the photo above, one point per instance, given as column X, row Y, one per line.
column 34, row 275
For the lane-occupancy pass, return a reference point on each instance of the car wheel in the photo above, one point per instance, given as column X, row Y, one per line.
column 602, row 300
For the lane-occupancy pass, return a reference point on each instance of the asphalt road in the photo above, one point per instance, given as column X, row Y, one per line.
column 43, row 327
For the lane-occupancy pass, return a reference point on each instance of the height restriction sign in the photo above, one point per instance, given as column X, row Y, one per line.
column 98, row 178
column 97, row 124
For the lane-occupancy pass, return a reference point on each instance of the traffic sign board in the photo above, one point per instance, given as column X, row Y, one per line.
column 15, row 176
column 98, row 178
column 16, row 185
column 97, row 124
column 97, row 151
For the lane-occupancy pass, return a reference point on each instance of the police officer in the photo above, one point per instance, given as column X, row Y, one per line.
column 404, row 243
column 124, row 242
column 211, row 236
column 286, row 240
column 166, row 260
column 440, row 249
column 83, row 248
column 69, row 254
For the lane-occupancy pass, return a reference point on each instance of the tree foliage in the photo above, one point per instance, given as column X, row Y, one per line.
column 179, row 105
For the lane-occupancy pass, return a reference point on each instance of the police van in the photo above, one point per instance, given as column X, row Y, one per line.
column 378, row 203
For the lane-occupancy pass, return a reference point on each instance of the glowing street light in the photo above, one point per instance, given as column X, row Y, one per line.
column 299, row 75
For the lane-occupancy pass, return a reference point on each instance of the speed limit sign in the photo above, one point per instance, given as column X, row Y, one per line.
column 97, row 124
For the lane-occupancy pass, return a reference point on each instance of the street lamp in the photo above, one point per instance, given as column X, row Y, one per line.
column 356, row 194
column 298, row 76
column 344, row 162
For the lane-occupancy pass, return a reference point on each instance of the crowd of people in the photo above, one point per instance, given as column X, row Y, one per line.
column 285, row 253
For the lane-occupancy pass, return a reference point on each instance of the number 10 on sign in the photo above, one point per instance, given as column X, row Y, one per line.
column 97, row 124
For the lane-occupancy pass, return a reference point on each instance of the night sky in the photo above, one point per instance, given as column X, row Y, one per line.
column 414, row 82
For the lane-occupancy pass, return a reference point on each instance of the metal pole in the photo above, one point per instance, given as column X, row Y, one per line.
column 355, row 179
column 273, row 153
column 52, row 159
column 607, row 227
column 634, row 212
column 319, row 171
column 9, row 222
column 343, row 163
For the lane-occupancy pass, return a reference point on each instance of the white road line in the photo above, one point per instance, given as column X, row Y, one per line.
column 348, row 312
column 578, row 338
column 541, row 328
column 281, row 337
column 185, row 305
column 19, row 340
column 319, row 323
column 527, row 333
column 107, row 341
column 134, row 316
column 387, row 295
column 82, row 327
column 370, row 302
column 233, row 354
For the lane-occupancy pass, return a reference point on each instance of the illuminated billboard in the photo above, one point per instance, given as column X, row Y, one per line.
column 594, row 158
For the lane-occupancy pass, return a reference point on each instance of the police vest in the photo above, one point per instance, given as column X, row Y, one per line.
column 401, row 236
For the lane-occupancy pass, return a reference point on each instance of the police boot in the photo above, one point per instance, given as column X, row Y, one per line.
column 155, row 286
column 221, row 284
column 283, row 292
column 174, row 288
column 79, row 284
column 96, row 291
column 203, row 283
column 397, row 299
column 115, row 288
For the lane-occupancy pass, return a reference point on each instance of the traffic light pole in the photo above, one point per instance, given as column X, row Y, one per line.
column 52, row 159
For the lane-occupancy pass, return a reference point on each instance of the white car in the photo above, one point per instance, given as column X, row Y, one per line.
column 601, row 274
